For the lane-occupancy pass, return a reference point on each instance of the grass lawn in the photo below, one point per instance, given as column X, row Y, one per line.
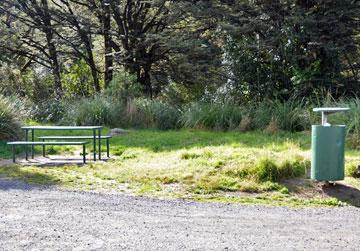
column 251, row 167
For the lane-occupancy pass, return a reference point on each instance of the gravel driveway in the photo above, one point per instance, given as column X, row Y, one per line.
column 36, row 219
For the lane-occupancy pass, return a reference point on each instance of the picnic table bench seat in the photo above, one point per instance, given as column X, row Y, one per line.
column 106, row 137
column 43, row 143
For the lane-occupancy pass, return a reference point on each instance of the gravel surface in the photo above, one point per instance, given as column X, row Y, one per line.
column 33, row 218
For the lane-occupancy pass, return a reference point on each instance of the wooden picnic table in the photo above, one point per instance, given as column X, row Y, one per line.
column 94, row 129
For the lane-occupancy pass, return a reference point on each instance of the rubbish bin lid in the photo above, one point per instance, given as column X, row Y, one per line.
column 331, row 109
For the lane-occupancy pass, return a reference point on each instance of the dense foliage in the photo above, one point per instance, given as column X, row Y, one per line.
column 251, row 49
column 223, row 65
column 12, row 113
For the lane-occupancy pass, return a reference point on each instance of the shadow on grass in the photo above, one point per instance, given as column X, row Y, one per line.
column 16, row 177
column 343, row 193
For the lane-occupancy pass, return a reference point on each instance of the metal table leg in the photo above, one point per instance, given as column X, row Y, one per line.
column 99, row 132
column 26, row 139
column 13, row 153
column 32, row 146
column 43, row 148
column 94, row 139
column 84, row 153
column 107, row 148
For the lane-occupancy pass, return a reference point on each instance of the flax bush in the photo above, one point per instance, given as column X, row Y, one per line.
column 89, row 111
column 212, row 116
column 12, row 113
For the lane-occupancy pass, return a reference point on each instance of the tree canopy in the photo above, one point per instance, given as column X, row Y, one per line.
column 245, row 50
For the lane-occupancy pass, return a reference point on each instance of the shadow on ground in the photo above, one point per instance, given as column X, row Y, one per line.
column 58, row 161
column 307, row 188
column 343, row 193
column 15, row 177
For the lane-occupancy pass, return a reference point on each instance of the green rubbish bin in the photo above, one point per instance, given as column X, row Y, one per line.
column 328, row 148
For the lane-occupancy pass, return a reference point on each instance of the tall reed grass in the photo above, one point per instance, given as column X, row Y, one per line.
column 269, row 115
column 12, row 112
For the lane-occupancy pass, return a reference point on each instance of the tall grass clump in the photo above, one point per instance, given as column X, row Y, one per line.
column 276, row 115
column 12, row 113
column 212, row 116
column 267, row 170
column 98, row 110
column 134, row 113
column 352, row 117
column 142, row 113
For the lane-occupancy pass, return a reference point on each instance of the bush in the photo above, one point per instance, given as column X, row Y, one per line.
column 267, row 170
column 353, row 116
column 98, row 110
column 271, row 116
column 124, row 87
column 289, row 116
column 77, row 80
column 151, row 114
column 212, row 116
column 51, row 110
column 352, row 170
column 12, row 112
column 165, row 116
column 139, row 113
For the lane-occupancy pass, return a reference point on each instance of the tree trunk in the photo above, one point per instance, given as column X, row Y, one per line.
column 90, row 60
column 55, row 66
column 94, row 74
column 145, row 80
column 108, row 46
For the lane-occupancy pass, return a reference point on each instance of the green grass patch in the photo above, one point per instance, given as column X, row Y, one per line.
column 194, row 164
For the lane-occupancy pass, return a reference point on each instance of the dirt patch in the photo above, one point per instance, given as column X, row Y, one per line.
column 305, row 188
column 5, row 162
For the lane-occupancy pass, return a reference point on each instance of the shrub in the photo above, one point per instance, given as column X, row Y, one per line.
column 288, row 116
column 138, row 113
column 12, row 112
column 77, row 79
column 164, row 116
column 90, row 111
column 245, row 124
column 261, row 114
column 143, row 113
column 267, row 170
column 353, row 116
column 124, row 87
column 291, row 115
column 212, row 116
column 352, row 170
column 51, row 110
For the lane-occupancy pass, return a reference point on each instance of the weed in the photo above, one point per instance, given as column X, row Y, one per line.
column 189, row 155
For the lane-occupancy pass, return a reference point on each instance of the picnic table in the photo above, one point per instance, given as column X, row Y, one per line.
column 96, row 134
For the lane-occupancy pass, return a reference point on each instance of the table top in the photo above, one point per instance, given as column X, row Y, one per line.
column 61, row 127
column 331, row 109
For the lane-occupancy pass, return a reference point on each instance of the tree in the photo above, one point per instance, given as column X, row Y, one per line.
column 80, row 42
column 34, row 38
column 278, row 49
column 153, row 38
